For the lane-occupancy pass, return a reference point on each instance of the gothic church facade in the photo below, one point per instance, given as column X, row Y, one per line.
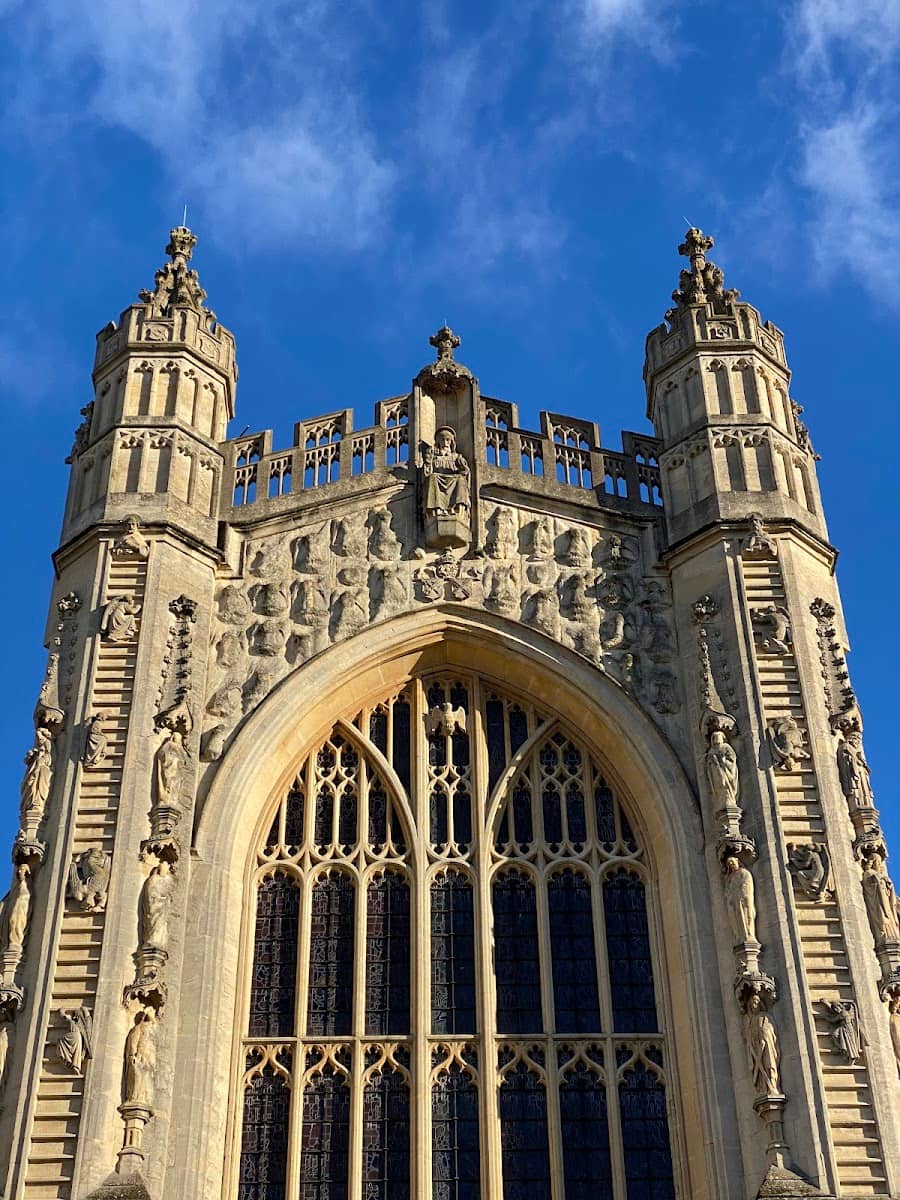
column 444, row 809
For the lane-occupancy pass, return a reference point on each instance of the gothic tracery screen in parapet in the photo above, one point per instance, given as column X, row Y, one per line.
column 447, row 991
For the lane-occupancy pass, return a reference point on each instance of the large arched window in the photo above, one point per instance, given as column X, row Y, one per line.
column 451, row 989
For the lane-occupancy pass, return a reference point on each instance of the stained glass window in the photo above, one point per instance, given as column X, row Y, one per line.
column 628, row 953
column 575, row 997
column 587, row 1165
column 264, row 1145
column 645, row 1136
column 325, row 1142
column 516, row 954
column 452, row 955
column 331, row 956
column 387, row 955
column 273, row 986
column 523, row 1135
column 455, row 1148
column 386, row 1145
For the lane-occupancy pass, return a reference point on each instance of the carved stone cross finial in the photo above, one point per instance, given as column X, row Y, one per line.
column 704, row 281
column 445, row 341
column 181, row 245
column 175, row 283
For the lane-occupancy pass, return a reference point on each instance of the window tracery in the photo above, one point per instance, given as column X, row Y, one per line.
column 452, row 966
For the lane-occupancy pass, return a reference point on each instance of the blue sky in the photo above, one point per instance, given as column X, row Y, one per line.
column 358, row 172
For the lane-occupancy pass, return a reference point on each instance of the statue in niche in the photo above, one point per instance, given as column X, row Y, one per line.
column 169, row 764
column 501, row 590
column 722, row 771
column 542, row 538
column 132, row 541
column 234, row 607
column 88, row 881
column 271, row 598
column 390, row 592
column 230, row 649
column 810, row 867
column 740, row 899
column 96, row 744
column 118, row 622
column 38, row 774
column 578, row 552
column 762, row 1045
column 140, row 1060
column 310, row 608
column 617, row 554
column 786, row 743
column 881, row 900
column 383, row 542
column 447, row 500
column 153, row 910
column 351, row 604
column 853, row 771
column 15, row 909
column 846, row 1036
column 503, row 534
column 347, row 539
column 771, row 629
column 76, row 1043
column 894, row 1023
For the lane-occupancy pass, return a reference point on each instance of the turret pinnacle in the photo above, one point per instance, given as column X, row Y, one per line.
column 175, row 284
column 704, row 281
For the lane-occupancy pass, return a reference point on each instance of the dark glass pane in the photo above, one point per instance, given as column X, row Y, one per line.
column 272, row 990
column 293, row 817
column 324, row 1150
column 438, row 817
column 496, row 743
column 502, row 836
column 516, row 954
column 386, row 1138
column 645, row 1136
column 272, row 839
column 452, row 956
column 378, row 727
column 606, row 814
column 402, row 741
column 331, row 957
column 387, row 956
column 324, row 816
column 347, row 816
column 523, row 1136
column 455, row 1150
column 575, row 999
column 585, row 1136
column 462, row 817
column 575, row 813
column 264, row 1140
column 552, row 814
column 518, row 729
column 628, row 838
column 628, row 952
column 522, row 819
column 378, row 805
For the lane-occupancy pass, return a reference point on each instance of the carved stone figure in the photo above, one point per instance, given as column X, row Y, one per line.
column 542, row 538
column 15, row 910
column 118, row 622
column 234, row 607
column 578, row 553
column 759, row 544
column 268, row 637
column 230, row 649
column 390, row 593
column 76, row 1044
column 4, row 1051
column 267, row 559
column 226, row 700
column 383, row 542
column 447, row 501
column 88, row 881
column 132, row 541
column 169, row 764
column 545, row 611
column 271, row 598
column 722, row 771
column 881, row 900
column 854, row 772
column 38, row 774
column 786, row 743
column 83, row 432
column 740, row 899
column 617, row 554
column 503, row 534
column 810, row 868
column 762, row 1046
column 96, row 743
column 445, row 719
column 140, row 1060
column 501, row 590
column 664, row 691
column 153, row 913
column 615, row 591
column 894, row 1024
column 843, row 1017
column 351, row 605
column 213, row 743
column 771, row 629
column 576, row 602
column 348, row 539
column 657, row 637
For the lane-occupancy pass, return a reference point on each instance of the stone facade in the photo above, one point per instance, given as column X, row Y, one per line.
column 226, row 612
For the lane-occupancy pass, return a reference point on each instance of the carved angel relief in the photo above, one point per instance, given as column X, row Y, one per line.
column 88, row 881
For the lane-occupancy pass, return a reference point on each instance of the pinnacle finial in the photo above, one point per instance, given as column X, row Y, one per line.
column 704, row 281
column 445, row 341
column 175, row 284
